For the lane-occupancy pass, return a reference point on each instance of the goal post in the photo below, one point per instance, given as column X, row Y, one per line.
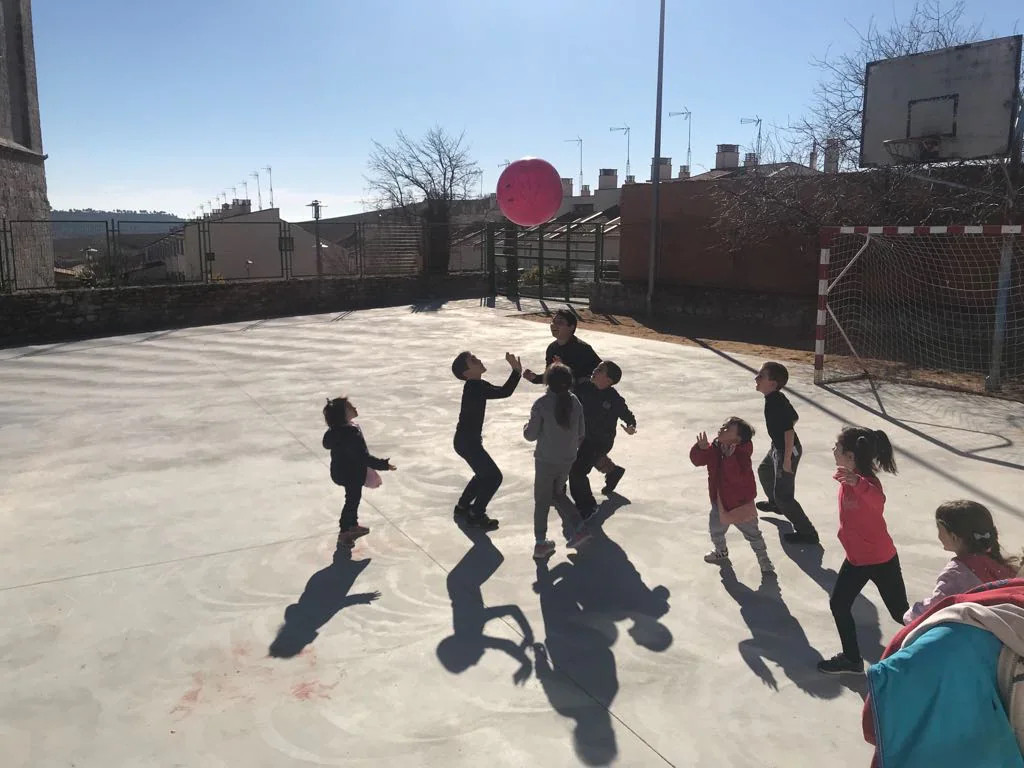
column 935, row 305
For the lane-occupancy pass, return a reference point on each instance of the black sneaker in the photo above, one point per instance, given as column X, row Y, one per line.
column 840, row 665
column 801, row 538
column 613, row 480
column 461, row 513
column 766, row 506
column 482, row 521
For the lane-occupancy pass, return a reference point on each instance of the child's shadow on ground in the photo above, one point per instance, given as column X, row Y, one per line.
column 581, row 601
column 467, row 644
column 865, row 614
column 326, row 593
column 777, row 636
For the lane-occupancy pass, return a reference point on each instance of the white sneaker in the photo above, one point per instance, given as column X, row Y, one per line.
column 717, row 556
column 543, row 550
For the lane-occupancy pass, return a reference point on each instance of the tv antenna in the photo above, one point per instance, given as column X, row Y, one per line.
column 259, row 193
column 686, row 115
column 245, row 188
column 624, row 129
column 270, row 179
column 579, row 141
column 755, row 120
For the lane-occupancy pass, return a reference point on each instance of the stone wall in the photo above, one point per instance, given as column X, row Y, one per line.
column 53, row 316
column 785, row 314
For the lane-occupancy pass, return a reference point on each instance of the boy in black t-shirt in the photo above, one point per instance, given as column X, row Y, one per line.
column 777, row 471
column 568, row 349
column 603, row 408
column 472, row 506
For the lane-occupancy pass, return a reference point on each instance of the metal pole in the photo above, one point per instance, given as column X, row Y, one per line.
column 259, row 192
column 992, row 382
column 656, row 168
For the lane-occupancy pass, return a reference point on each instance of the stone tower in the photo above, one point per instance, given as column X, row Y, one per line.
column 26, row 243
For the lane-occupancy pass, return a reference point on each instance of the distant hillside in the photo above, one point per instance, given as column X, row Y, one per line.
column 87, row 221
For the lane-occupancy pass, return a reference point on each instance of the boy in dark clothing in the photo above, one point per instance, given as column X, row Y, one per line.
column 567, row 349
column 472, row 506
column 777, row 471
column 603, row 408
column 350, row 459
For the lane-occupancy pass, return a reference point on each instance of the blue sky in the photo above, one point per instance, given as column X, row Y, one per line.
column 163, row 105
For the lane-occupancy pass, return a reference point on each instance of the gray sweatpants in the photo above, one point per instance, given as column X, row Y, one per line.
column 549, row 488
column 750, row 530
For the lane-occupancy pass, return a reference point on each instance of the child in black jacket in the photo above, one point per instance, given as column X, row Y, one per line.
column 350, row 463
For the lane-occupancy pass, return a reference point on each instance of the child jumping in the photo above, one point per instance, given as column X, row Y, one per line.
column 471, row 508
column 967, row 530
column 870, row 553
column 733, row 489
column 778, row 469
column 557, row 425
column 603, row 408
column 350, row 464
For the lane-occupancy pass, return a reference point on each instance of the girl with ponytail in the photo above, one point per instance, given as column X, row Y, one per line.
column 556, row 425
column 870, row 554
column 967, row 530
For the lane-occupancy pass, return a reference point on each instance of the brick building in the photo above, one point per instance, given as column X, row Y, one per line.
column 26, row 242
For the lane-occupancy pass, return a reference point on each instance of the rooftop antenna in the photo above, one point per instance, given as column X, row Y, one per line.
column 686, row 115
column 259, row 192
column 579, row 141
column 234, row 193
column 755, row 120
column 505, row 164
column 245, row 188
column 623, row 129
column 270, row 179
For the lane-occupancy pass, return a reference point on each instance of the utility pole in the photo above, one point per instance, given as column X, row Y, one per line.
column 624, row 129
column 316, row 205
column 270, row 179
column 579, row 141
column 686, row 115
column 655, row 168
column 259, row 193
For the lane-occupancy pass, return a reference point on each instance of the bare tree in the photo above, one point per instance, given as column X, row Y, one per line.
column 836, row 108
column 423, row 178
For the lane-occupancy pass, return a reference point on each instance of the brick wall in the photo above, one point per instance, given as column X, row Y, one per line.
column 53, row 316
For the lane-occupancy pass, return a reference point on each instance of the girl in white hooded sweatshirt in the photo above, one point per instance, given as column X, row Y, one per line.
column 557, row 425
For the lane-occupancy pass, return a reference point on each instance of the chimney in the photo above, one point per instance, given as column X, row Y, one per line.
column 750, row 160
column 684, row 171
column 664, row 165
column 833, row 148
column 631, row 179
column 727, row 157
column 608, row 178
column 585, row 190
column 813, row 165
column 566, row 187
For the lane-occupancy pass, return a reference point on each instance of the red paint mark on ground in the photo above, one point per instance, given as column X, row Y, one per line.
column 188, row 702
column 312, row 689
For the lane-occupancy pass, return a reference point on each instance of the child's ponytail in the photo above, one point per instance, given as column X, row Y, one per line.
column 884, row 457
column 871, row 450
column 559, row 380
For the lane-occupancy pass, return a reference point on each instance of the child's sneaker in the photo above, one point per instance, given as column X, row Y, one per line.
column 482, row 521
column 840, row 665
column 613, row 480
column 716, row 556
column 581, row 535
column 543, row 550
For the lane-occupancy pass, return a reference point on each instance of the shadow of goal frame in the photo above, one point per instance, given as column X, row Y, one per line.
column 934, row 305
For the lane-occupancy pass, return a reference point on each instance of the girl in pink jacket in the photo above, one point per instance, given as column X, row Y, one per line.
column 966, row 529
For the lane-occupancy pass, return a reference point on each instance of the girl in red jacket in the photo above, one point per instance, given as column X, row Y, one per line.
column 870, row 553
column 732, row 488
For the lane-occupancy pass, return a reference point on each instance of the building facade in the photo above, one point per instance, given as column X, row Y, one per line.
column 26, row 241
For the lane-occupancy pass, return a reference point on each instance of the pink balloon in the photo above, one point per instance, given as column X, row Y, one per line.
column 530, row 191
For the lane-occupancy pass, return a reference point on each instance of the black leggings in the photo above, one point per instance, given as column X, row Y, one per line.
column 887, row 577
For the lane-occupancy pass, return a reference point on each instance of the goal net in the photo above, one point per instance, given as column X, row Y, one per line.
column 942, row 306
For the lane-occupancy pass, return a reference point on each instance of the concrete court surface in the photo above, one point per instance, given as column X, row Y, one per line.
column 167, row 596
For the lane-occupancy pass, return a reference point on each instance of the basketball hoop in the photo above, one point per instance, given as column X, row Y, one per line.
column 913, row 149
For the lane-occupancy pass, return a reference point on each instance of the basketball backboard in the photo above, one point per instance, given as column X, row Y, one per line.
column 956, row 103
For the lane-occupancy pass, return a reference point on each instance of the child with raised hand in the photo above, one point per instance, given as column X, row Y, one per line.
column 870, row 553
column 471, row 508
column 967, row 530
column 733, row 489
column 351, row 464
column 557, row 426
